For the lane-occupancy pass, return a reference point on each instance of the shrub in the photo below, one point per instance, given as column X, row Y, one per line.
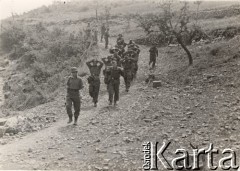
column 11, row 37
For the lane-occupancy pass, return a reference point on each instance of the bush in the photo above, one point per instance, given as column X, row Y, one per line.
column 11, row 37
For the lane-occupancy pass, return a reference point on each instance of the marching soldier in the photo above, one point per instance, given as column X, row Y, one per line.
column 95, row 67
column 113, row 74
column 120, row 41
column 106, row 37
column 127, row 64
column 153, row 55
column 103, row 29
column 107, row 62
column 74, row 84
column 117, row 58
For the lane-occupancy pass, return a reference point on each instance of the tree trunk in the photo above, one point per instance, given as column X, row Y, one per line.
column 180, row 41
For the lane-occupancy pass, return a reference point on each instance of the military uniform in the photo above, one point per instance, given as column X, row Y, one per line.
column 120, row 41
column 103, row 29
column 153, row 54
column 94, row 80
column 128, row 64
column 117, row 58
column 113, row 82
column 73, row 96
column 106, row 36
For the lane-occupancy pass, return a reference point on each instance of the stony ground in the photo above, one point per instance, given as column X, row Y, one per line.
column 198, row 104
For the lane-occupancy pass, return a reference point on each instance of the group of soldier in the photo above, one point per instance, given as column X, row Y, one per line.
column 122, row 61
column 92, row 33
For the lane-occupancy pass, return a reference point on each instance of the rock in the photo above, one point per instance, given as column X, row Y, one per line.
column 2, row 131
column 147, row 120
column 100, row 151
column 127, row 140
column 61, row 157
column 30, row 150
column 12, row 125
column 189, row 113
column 157, row 84
column 105, row 168
column 2, row 121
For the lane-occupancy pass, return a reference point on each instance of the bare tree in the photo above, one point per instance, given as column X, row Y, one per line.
column 172, row 25
column 198, row 3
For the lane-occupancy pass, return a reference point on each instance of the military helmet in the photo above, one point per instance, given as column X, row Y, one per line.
column 120, row 35
column 74, row 69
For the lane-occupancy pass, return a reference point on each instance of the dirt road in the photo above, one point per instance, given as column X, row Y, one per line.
column 203, row 109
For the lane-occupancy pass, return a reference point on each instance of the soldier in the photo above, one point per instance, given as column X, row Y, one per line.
column 95, row 31
column 127, row 64
column 107, row 62
column 132, row 44
column 88, row 30
column 120, row 41
column 103, row 29
column 117, row 58
column 153, row 54
column 106, row 36
column 95, row 67
column 134, row 56
column 74, row 84
column 113, row 74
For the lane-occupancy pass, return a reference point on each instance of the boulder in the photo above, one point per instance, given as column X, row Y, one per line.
column 2, row 121
column 2, row 131
column 157, row 84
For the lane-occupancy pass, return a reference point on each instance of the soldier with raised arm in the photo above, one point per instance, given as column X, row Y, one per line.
column 95, row 67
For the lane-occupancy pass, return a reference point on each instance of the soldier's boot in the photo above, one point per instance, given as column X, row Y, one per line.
column 95, row 104
column 115, row 104
column 110, row 103
column 70, row 120
column 75, row 120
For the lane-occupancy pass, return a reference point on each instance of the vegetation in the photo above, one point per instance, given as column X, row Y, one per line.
column 44, row 57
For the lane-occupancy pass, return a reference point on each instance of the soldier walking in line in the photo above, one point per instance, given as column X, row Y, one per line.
column 106, row 37
column 113, row 74
column 127, row 64
column 120, row 41
column 103, row 29
column 95, row 67
column 153, row 55
column 74, row 84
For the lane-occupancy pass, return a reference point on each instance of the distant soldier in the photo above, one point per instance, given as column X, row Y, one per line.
column 88, row 30
column 103, row 29
column 117, row 58
column 95, row 31
column 107, row 62
column 134, row 56
column 120, row 41
column 106, row 37
column 74, row 84
column 153, row 55
column 127, row 64
column 95, row 67
column 132, row 44
column 113, row 74
column 120, row 50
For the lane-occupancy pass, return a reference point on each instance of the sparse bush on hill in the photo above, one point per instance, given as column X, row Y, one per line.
column 172, row 26
column 11, row 37
column 44, row 58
